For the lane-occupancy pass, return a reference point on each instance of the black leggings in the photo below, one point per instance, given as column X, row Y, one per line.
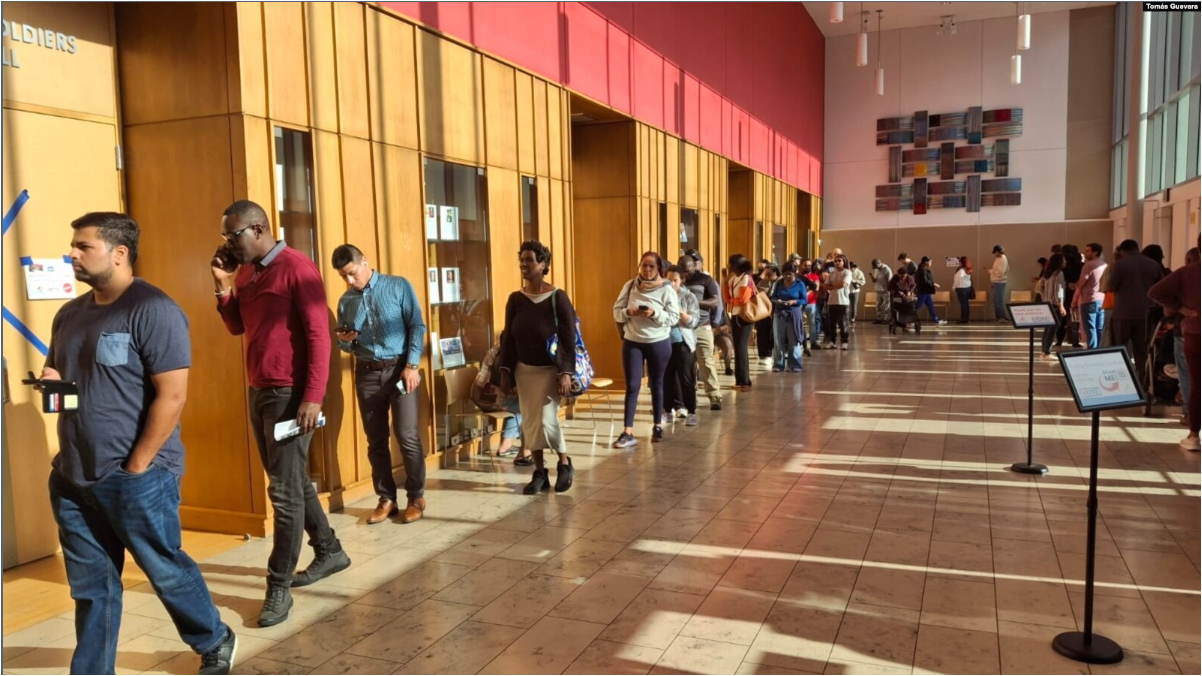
column 763, row 337
column 657, row 356
column 837, row 321
column 742, row 338
column 680, row 388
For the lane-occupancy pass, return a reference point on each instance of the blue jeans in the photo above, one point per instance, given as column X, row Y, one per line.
column 807, row 321
column 787, row 344
column 656, row 355
column 928, row 301
column 818, row 320
column 965, row 302
column 999, row 301
column 512, row 427
column 1182, row 370
column 96, row 526
column 1092, row 322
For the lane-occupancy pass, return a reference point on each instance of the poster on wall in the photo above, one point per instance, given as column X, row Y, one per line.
column 431, row 222
column 951, row 261
column 48, row 279
column 432, row 285
column 451, row 285
column 449, row 223
column 452, row 352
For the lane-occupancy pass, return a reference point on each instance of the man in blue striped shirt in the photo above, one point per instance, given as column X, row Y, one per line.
column 380, row 322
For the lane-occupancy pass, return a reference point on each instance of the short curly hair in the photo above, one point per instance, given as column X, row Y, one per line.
column 541, row 253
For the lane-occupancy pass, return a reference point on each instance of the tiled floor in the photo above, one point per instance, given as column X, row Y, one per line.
column 858, row 518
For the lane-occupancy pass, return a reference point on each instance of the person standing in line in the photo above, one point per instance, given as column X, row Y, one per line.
column 534, row 315
column 680, row 385
column 999, row 274
column 788, row 299
column 927, row 287
column 838, row 284
column 1130, row 279
column 738, row 291
column 274, row 295
column 807, row 310
column 903, row 261
column 1071, row 329
column 380, row 323
column 857, row 282
column 1184, row 375
column 881, row 274
column 763, row 328
column 1179, row 294
column 1053, row 291
column 647, row 308
column 709, row 300
column 818, row 303
column 115, row 482
column 1088, row 297
column 962, row 284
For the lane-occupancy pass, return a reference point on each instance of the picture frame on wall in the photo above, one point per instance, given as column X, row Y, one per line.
column 452, row 352
column 431, row 222
column 451, row 284
column 448, row 223
column 433, row 285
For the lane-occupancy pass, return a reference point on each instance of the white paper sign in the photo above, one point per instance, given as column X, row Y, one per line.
column 431, row 221
column 1101, row 379
column 433, row 285
column 1033, row 316
column 452, row 352
column 448, row 218
column 49, row 279
column 450, row 285
column 951, row 261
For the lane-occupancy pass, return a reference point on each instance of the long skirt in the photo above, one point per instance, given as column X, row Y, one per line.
column 538, row 399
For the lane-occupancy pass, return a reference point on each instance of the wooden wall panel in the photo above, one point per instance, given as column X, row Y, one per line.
column 690, row 177
column 287, row 83
column 543, row 184
column 668, row 166
column 556, row 99
column 352, row 69
column 500, row 115
column 603, row 250
column 83, row 82
column 505, row 237
column 360, row 211
column 248, row 72
column 392, row 80
column 542, row 159
column 451, row 94
column 323, row 82
column 559, row 238
column 199, row 51
column 610, row 168
column 251, row 143
column 524, row 87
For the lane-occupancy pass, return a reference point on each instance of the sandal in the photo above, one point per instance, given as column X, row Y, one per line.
column 523, row 461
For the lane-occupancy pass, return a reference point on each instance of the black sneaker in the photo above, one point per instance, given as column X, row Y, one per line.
column 625, row 440
column 220, row 660
column 715, row 405
column 276, row 606
column 563, row 476
column 730, row 372
column 324, row 565
column 657, row 434
column 541, row 481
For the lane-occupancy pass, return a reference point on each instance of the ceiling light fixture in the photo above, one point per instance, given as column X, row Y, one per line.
column 947, row 24
column 1016, row 61
column 880, row 72
column 862, row 39
column 836, row 12
column 1024, row 29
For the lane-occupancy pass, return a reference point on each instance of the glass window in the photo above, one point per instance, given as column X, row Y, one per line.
column 716, row 253
column 1195, row 99
column 1168, row 150
column 294, row 190
column 663, row 229
column 780, row 242
column 688, row 229
column 757, row 244
column 460, row 321
column 529, row 209
column 1188, row 47
column 1181, row 151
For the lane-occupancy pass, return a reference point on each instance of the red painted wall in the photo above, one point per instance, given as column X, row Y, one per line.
column 744, row 79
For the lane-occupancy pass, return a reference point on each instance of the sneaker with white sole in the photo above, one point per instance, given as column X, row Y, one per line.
column 828, row 346
column 691, row 421
column 844, row 346
column 682, row 413
column 1191, row 444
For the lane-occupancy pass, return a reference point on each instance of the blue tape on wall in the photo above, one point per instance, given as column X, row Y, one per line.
column 26, row 331
column 66, row 258
column 26, row 260
column 14, row 210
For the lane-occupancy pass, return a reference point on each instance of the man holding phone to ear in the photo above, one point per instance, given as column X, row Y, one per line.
column 273, row 295
column 380, row 322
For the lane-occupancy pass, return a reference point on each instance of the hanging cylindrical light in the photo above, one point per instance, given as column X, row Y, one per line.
column 836, row 12
column 1023, row 38
column 880, row 72
column 862, row 39
column 1016, row 69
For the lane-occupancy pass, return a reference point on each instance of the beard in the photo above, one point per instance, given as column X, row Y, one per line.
column 98, row 279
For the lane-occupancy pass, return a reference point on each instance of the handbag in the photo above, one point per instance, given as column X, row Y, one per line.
column 972, row 293
column 582, row 375
column 754, row 310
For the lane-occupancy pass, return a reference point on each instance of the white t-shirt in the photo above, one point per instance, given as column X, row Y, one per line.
column 842, row 295
column 961, row 280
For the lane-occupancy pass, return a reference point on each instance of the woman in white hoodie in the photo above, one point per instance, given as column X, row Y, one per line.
column 647, row 309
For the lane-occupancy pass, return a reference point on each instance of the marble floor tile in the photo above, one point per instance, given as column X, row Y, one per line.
column 960, row 561
column 795, row 637
column 604, row 657
column 355, row 664
column 879, row 586
column 730, row 615
column 689, row 655
column 823, row 586
column 465, row 650
column 484, row 584
column 602, row 598
column 877, row 635
column 944, row 650
column 543, row 544
column 548, row 647
column 679, row 524
column 760, row 570
column 653, row 619
column 959, row 605
column 332, row 635
column 528, row 601
column 1126, row 621
column 413, row 631
column 416, row 586
column 1025, row 649
column 581, row 558
column 1025, row 602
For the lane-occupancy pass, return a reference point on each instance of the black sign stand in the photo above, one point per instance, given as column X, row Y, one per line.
column 1086, row 646
column 1030, row 466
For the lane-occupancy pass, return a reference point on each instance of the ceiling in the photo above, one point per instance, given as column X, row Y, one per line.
column 913, row 14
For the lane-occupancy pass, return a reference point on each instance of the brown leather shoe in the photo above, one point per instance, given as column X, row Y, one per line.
column 415, row 510
column 385, row 509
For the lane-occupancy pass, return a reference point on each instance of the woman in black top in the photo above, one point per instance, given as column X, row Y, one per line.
column 532, row 316
column 925, row 287
column 1073, row 262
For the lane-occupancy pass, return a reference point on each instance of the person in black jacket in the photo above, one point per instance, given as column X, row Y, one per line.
column 1073, row 262
column 926, row 287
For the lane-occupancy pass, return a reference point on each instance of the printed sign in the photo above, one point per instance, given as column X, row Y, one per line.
column 952, row 261
column 1032, row 315
column 452, row 352
column 1102, row 379
column 448, row 223
column 431, row 222
column 433, row 284
column 48, row 279
column 451, row 286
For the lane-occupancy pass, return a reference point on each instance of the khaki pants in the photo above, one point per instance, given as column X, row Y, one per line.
column 707, row 366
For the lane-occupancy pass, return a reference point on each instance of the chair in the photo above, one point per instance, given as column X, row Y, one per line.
column 1021, row 297
column 942, row 300
column 597, row 393
column 981, row 301
column 458, row 383
column 869, row 298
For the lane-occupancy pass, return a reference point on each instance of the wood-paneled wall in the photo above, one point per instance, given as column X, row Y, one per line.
column 378, row 95
column 760, row 201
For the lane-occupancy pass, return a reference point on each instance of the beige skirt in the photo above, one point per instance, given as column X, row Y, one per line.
column 538, row 399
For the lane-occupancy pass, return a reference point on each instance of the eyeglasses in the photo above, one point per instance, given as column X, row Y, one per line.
column 229, row 237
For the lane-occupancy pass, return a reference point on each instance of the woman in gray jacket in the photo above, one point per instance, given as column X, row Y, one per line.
column 647, row 308
column 680, row 386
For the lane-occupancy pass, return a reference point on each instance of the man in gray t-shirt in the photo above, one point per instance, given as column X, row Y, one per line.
column 115, row 483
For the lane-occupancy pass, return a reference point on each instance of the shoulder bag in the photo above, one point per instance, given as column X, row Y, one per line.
column 582, row 375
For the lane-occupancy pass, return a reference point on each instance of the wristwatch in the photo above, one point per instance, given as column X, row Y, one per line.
column 412, row 366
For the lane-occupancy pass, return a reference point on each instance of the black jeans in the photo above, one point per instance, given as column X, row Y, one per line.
column 763, row 337
column 837, row 321
column 742, row 337
column 293, row 498
column 379, row 396
column 680, row 382
column 1135, row 333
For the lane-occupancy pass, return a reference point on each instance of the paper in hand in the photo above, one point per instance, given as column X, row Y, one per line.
column 288, row 428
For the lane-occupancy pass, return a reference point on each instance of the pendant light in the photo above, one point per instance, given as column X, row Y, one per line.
column 880, row 72
column 836, row 12
column 1016, row 61
column 862, row 39
column 1024, row 30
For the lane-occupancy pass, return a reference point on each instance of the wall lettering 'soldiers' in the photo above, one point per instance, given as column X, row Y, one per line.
column 13, row 31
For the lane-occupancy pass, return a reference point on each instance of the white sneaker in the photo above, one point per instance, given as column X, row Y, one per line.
column 941, row 322
column 828, row 346
column 1048, row 357
column 1191, row 444
column 844, row 346
column 682, row 413
column 766, row 361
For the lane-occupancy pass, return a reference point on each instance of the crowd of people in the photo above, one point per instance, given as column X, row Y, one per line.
column 115, row 484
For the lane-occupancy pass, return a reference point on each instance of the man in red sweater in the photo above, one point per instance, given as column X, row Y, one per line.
column 273, row 294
